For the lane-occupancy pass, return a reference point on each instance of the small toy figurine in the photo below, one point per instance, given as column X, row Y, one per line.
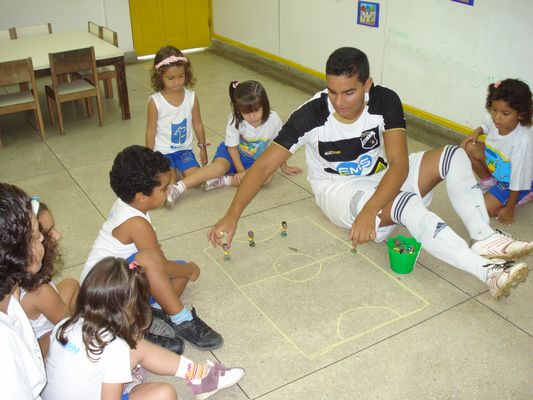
column 251, row 242
column 225, row 247
column 284, row 229
column 354, row 250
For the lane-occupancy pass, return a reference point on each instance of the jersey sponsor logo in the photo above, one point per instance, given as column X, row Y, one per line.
column 349, row 150
column 439, row 228
column 356, row 167
column 332, row 152
column 178, row 132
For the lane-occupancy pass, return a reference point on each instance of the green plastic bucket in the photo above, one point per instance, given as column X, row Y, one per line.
column 403, row 262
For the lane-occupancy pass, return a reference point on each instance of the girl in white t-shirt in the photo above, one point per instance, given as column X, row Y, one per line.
column 44, row 302
column 92, row 354
column 251, row 128
column 503, row 159
column 174, row 112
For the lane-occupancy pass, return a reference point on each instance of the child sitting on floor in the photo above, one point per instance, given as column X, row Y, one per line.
column 140, row 178
column 93, row 353
column 44, row 302
column 503, row 161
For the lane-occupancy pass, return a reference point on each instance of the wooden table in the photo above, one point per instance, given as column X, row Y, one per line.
column 38, row 47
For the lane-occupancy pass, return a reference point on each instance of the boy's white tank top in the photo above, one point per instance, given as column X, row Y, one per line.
column 106, row 244
column 174, row 124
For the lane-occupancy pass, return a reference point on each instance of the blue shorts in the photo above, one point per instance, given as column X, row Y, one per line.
column 125, row 396
column 222, row 152
column 501, row 192
column 182, row 160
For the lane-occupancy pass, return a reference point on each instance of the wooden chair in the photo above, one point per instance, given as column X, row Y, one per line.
column 13, row 73
column 34, row 30
column 71, row 62
column 107, row 73
column 95, row 29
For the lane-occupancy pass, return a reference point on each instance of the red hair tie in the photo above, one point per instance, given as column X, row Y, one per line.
column 235, row 84
column 497, row 83
column 133, row 265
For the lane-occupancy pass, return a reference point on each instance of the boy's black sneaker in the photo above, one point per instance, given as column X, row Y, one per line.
column 161, row 324
column 174, row 344
column 198, row 333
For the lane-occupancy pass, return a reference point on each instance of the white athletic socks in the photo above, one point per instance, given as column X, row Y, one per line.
column 464, row 192
column 181, row 187
column 437, row 238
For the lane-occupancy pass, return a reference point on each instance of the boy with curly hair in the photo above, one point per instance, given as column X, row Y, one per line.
column 140, row 178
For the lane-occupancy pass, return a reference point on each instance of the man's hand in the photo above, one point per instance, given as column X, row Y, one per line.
column 223, row 231
column 363, row 228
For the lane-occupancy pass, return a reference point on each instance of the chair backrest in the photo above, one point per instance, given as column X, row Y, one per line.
column 6, row 34
column 109, row 36
column 66, row 62
column 34, row 30
column 95, row 29
column 16, row 71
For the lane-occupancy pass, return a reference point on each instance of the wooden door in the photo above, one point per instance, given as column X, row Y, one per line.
column 184, row 24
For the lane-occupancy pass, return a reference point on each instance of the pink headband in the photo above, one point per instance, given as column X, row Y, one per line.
column 170, row 60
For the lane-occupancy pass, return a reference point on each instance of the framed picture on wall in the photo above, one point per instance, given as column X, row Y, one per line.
column 467, row 2
column 368, row 13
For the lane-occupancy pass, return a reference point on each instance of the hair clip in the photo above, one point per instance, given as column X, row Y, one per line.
column 170, row 60
column 35, row 204
column 133, row 265
column 235, row 84
column 497, row 84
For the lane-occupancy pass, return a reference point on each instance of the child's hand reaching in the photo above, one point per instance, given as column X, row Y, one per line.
column 237, row 178
column 288, row 170
column 194, row 271
column 506, row 216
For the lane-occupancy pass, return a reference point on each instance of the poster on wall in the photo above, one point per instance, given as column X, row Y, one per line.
column 368, row 13
column 467, row 2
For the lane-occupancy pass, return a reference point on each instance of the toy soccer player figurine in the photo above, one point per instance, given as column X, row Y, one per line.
column 251, row 242
column 284, row 229
column 225, row 247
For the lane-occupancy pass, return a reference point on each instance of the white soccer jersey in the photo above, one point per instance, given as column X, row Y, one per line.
column 336, row 150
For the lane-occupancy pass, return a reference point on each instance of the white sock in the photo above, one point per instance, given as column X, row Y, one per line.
column 437, row 238
column 181, row 187
column 190, row 370
column 226, row 180
column 464, row 192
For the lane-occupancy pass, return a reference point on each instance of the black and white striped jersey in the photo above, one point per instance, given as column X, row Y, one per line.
column 336, row 149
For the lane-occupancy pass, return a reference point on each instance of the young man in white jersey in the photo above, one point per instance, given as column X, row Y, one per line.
column 364, row 180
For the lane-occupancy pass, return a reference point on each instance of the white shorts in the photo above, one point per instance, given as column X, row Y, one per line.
column 341, row 201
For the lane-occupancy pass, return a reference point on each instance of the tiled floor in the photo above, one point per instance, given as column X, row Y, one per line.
column 304, row 316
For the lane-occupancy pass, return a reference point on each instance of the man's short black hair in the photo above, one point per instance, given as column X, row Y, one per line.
column 135, row 171
column 348, row 61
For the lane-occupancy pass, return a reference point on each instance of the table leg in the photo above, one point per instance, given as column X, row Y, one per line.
column 122, row 87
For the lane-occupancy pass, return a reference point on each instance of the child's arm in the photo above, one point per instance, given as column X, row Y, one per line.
column 151, row 124
column 199, row 130
column 237, row 163
column 472, row 137
column 506, row 213
column 142, row 234
column 46, row 300
column 287, row 169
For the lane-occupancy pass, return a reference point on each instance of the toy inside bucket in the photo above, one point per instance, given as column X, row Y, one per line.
column 403, row 252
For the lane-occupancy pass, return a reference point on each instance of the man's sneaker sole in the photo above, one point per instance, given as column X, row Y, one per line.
column 513, row 255
column 513, row 281
column 206, row 348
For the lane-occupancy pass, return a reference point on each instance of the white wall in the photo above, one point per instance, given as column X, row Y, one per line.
column 66, row 15
column 438, row 55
